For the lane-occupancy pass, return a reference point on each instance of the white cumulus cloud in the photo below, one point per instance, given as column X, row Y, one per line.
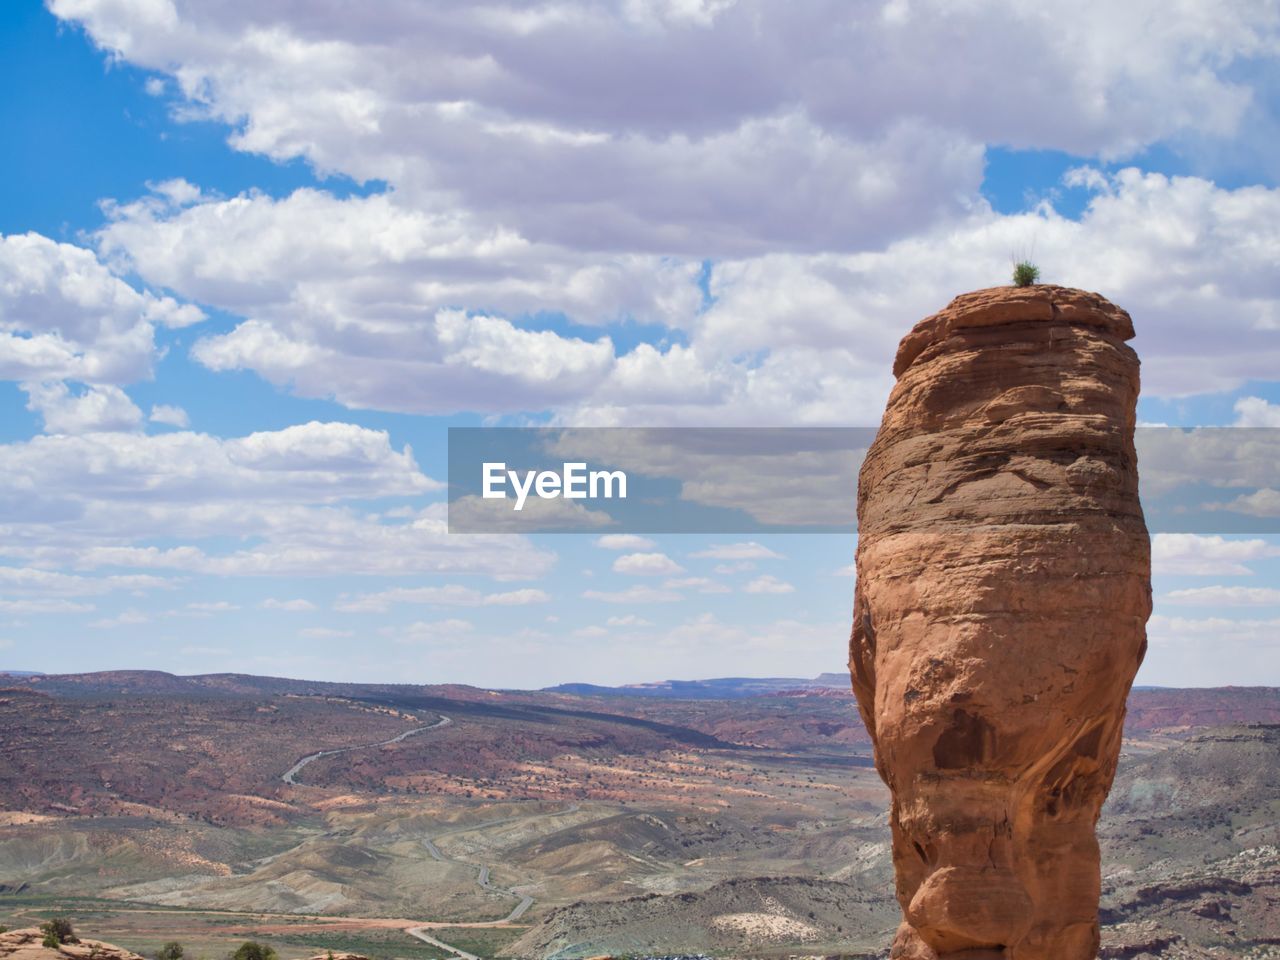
column 646, row 565
column 169, row 415
column 1204, row 555
column 747, row 550
column 768, row 584
column 446, row 595
column 96, row 409
column 638, row 594
column 296, row 605
column 624, row 541
column 65, row 316
column 285, row 499
column 678, row 126
column 1226, row 596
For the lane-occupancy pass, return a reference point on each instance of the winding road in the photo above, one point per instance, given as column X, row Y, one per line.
column 482, row 874
column 419, row 932
column 291, row 775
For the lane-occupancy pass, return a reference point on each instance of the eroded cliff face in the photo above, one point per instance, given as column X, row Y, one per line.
column 1003, row 590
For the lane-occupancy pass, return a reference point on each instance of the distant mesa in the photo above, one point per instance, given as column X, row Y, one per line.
column 721, row 688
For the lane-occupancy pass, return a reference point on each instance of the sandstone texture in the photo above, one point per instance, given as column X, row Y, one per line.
column 1003, row 590
column 26, row 944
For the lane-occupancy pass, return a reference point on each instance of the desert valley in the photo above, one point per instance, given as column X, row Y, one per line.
column 731, row 817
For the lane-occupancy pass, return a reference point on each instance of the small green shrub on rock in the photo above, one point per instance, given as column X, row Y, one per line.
column 1025, row 273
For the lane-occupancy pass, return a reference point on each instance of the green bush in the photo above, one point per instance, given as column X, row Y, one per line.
column 58, row 931
column 249, row 950
column 1025, row 273
column 170, row 951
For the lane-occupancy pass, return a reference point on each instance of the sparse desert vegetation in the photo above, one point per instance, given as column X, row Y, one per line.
column 1025, row 274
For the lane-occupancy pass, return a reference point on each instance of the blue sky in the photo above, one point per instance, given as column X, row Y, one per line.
column 257, row 258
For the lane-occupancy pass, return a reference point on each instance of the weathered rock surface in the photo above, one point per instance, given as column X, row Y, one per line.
column 27, row 944
column 1003, row 589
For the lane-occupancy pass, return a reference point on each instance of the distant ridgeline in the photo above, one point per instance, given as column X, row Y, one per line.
column 722, row 688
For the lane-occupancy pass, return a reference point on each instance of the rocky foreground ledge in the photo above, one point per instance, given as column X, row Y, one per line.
column 28, row 944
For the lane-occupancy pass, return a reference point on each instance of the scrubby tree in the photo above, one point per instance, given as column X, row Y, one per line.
column 57, row 931
column 170, row 951
column 251, row 950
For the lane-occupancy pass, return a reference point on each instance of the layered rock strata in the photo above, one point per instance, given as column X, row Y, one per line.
column 1003, row 589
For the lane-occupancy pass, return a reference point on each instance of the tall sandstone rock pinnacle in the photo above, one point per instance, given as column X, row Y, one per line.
column 1003, row 590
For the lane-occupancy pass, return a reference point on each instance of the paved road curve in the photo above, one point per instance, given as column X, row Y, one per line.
column 291, row 775
column 482, row 875
column 425, row 937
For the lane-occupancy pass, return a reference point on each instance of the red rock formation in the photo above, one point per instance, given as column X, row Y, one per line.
column 1002, row 596
column 28, row 944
